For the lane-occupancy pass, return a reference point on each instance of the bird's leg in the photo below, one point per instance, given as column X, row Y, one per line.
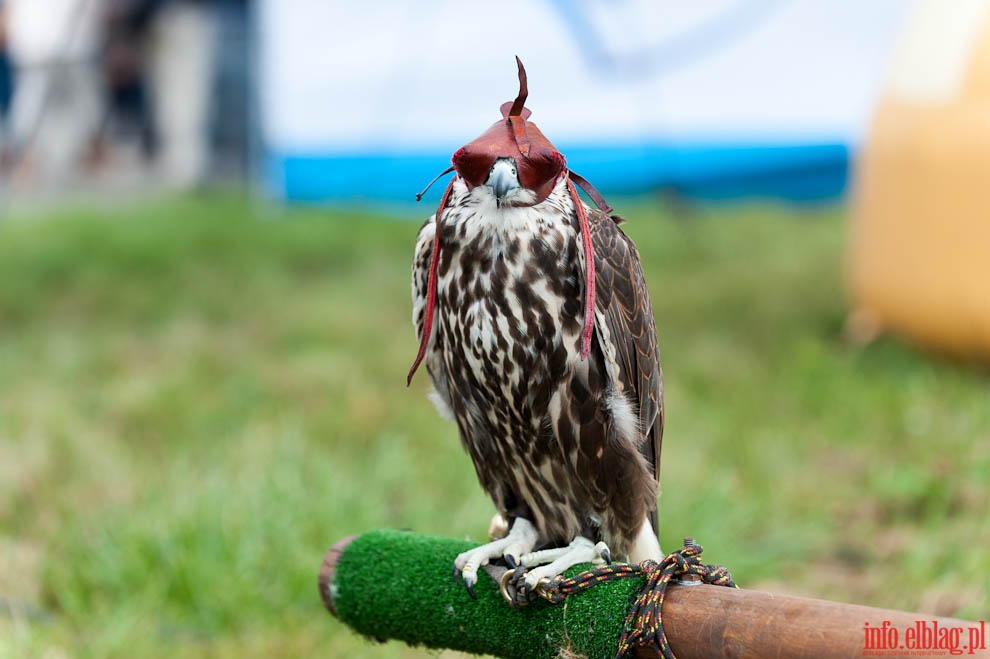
column 521, row 540
column 552, row 562
column 646, row 546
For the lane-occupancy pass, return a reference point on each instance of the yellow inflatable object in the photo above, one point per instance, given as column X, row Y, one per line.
column 919, row 254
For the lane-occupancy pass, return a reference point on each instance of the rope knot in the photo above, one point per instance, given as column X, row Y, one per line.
column 644, row 623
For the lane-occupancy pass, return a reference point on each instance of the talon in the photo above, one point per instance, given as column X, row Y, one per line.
column 469, row 581
column 520, row 540
column 531, row 584
column 457, row 573
column 522, row 585
column 511, row 561
column 520, row 590
column 604, row 552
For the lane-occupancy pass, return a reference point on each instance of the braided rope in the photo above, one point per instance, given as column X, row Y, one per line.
column 644, row 624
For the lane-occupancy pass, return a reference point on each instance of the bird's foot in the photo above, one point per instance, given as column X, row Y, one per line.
column 550, row 563
column 520, row 541
column 536, row 569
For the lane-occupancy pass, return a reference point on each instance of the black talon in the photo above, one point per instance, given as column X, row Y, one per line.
column 607, row 556
column 519, row 591
column 457, row 573
column 469, row 587
column 511, row 561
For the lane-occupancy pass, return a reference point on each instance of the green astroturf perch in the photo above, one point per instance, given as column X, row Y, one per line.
column 398, row 585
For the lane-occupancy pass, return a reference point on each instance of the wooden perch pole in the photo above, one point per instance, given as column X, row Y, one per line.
column 709, row 621
column 700, row 621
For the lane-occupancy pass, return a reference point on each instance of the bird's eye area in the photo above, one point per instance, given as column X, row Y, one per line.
column 474, row 166
column 538, row 171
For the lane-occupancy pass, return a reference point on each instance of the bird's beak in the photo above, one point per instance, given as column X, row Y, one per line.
column 503, row 179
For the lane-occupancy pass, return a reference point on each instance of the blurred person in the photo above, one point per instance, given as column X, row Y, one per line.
column 57, row 104
column 180, row 67
column 178, row 87
column 160, row 63
column 129, row 122
column 6, row 81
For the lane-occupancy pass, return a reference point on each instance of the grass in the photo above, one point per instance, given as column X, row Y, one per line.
column 197, row 400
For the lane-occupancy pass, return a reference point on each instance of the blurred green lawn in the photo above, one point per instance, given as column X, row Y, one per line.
column 197, row 399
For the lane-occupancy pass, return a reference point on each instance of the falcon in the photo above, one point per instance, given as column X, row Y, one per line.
column 536, row 329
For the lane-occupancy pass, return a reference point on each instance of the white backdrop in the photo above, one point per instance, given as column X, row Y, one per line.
column 344, row 82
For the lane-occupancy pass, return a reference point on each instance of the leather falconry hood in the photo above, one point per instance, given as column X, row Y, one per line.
column 539, row 166
column 538, row 162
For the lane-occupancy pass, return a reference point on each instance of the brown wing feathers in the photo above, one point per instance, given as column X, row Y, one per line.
column 624, row 301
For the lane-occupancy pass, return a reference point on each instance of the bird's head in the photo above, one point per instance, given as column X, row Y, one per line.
column 514, row 163
column 512, row 159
